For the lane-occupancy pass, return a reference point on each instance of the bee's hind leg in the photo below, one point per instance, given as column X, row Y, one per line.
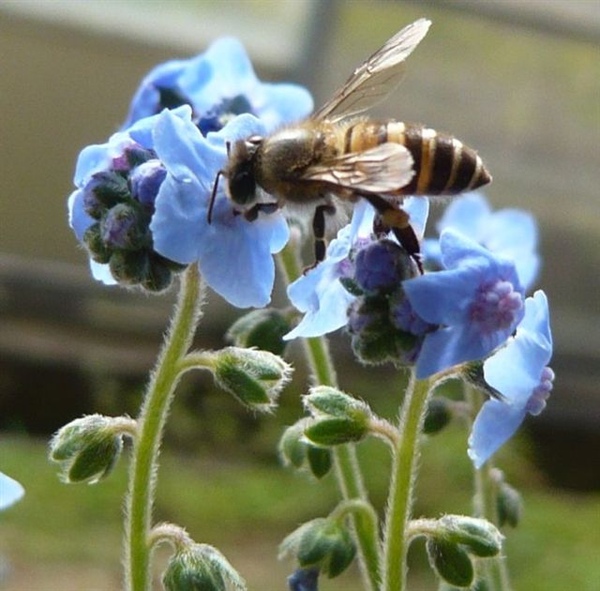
column 318, row 226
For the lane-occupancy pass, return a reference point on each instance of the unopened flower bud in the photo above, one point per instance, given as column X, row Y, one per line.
column 479, row 537
column 146, row 180
column 105, row 189
column 451, row 562
column 325, row 544
column 304, row 579
column 295, row 450
column 509, row 505
column 96, row 247
column 254, row 377
column 381, row 267
column 125, row 227
column 438, row 415
column 88, row 448
column 337, row 417
column 200, row 567
column 263, row 329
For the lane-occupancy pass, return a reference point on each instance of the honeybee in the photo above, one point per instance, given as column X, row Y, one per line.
column 335, row 155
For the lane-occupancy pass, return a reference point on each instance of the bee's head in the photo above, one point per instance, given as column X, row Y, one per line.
column 241, row 182
column 240, row 172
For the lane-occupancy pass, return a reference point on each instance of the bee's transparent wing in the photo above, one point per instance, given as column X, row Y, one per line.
column 372, row 81
column 383, row 169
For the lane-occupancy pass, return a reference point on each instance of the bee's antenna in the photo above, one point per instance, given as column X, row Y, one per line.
column 213, row 196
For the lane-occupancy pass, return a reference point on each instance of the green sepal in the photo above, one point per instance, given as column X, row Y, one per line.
column 294, row 449
column 110, row 188
column 263, row 329
column 438, row 415
column 254, row 377
column 96, row 460
column 351, row 286
column 330, row 401
column 336, row 431
column 479, row 537
column 199, row 567
column 509, row 505
column 87, row 448
column 95, row 246
column 326, row 544
column 451, row 562
column 319, row 460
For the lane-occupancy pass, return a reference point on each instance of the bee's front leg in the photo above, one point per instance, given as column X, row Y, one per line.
column 268, row 208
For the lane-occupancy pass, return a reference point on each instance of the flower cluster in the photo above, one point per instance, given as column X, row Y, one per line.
column 141, row 199
column 469, row 310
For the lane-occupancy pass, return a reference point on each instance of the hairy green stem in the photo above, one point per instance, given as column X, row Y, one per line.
column 142, row 483
column 404, row 470
column 485, row 505
column 347, row 469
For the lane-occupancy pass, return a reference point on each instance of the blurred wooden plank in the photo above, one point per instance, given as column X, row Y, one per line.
column 577, row 19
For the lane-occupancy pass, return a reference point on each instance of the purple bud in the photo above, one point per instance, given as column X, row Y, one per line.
column 146, row 180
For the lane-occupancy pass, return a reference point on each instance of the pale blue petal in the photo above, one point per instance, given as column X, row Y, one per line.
column 185, row 153
column 466, row 214
column 456, row 248
column 239, row 128
column 513, row 234
column 179, row 223
column 438, row 352
column 278, row 104
column 97, row 157
column 445, row 297
column 361, row 225
column 324, row 312
column 79, row 220
column 418, row 210
column 10, row 491
column 236, row 260
column 102, row 273
column 514, row 370
column 233, row 74
column 537, row 319
column 146, row 100
column 495, row 424
column 511, row 231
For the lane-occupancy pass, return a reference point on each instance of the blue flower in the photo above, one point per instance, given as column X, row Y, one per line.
column 511, row 233
column 10, row 491
column 218, row 84
column 234, row 255
column 519, row 372
column 477, row 302
column 320, row 294
column 173, row 189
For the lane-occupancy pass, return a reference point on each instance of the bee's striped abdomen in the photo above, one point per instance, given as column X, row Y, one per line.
column 443, row 164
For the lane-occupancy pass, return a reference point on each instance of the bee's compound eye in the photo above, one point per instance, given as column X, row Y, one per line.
column 242, row 186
